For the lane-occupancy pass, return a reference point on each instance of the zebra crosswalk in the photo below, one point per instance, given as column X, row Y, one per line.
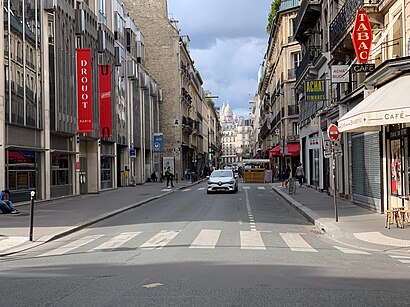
column 204, row 239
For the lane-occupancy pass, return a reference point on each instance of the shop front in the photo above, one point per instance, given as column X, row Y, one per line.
column 382, row 121
column 22, row 173
column 61, row 174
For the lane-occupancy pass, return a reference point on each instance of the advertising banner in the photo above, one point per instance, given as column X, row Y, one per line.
column 158, row 142
column 104, row 78
column 84, row 91
column 340, row 74
column 315, row 90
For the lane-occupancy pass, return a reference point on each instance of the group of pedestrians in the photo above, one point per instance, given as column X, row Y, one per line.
column 299, row 174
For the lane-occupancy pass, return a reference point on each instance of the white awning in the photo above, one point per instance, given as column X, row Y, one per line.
column 388, row 105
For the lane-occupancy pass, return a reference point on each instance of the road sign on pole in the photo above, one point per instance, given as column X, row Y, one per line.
column 333, row 132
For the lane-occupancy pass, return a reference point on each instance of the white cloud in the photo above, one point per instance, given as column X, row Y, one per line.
column 228, row 41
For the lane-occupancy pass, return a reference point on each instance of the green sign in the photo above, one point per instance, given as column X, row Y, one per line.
column 315, row 90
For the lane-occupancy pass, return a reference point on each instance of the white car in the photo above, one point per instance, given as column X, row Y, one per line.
column 222, row 180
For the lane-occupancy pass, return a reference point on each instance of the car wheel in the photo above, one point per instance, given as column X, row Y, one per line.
column 208, row 192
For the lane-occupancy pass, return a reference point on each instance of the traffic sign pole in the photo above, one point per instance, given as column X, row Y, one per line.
column 334, row 134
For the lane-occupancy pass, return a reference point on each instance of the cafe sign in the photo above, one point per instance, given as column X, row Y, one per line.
column 362, row 36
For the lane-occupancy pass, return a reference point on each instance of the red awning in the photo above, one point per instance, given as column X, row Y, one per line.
column 293, row 151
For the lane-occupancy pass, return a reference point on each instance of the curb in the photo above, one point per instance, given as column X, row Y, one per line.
column 321, row 223
column 45, row 239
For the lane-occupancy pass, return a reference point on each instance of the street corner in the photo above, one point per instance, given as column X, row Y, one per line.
column 382, row 239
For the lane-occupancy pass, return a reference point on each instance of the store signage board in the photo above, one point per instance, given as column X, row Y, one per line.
column 340, row 74
column 360, row 68
column 84, row 91
column 362, row 36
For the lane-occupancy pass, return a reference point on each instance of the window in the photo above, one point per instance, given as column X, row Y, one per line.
column 296, row 58
column 59, row 169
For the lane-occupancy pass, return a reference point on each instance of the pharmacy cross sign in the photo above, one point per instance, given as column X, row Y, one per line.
column 333, row 132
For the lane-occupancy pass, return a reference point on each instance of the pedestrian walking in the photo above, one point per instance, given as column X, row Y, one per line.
column 169, row 177
column 300, row 174
column 286, row 175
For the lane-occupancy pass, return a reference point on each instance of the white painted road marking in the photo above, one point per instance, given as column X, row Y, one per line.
column 252, row 240
column 351, row 251
column 166, row 190
column 207, row 238
column 246, row 188
column 116, row 242
column 186, row 190
column 11, row 242
column 378, row 238
column 261, row 188
column 296, row 243
column 160, row 240
column 201, row 189
column 71, row 246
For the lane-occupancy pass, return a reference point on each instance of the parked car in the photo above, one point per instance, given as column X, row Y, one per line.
column 222, row 181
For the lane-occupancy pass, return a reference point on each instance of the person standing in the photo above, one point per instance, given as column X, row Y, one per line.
column 6, row 206
column 300, row 174
column 169, row 176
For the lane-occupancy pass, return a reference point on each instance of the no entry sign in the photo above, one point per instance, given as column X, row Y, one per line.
column 333, row 132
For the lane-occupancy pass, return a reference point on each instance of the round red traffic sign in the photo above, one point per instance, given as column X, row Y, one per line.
column 333, row 132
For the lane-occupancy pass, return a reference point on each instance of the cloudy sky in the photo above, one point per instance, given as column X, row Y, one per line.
column 228, row 42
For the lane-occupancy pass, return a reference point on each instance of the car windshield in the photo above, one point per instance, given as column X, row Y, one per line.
column 221, row 174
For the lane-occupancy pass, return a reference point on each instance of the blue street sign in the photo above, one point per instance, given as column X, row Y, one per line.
column 132, row 152
column 158, row 142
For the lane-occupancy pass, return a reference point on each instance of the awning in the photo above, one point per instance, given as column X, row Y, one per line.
column 386, row 106
column 293, row 151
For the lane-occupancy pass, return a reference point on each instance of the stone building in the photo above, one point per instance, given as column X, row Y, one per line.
column 278, row 137
column 89, row 48
column 183, row 119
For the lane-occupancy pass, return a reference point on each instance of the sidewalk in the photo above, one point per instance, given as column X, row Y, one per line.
column 357, row 227
column 57, row 218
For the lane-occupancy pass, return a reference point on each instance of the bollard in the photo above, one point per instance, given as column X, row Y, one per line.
column 32, row 194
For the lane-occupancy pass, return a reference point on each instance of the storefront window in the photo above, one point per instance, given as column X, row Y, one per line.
column 106, row 178
column 314, row 167
column 396, row 168
column 60, row 169
column 21, row 170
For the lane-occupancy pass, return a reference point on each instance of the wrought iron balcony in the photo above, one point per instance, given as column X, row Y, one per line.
column 343, row 20
column 309, row 12
column 309, row 58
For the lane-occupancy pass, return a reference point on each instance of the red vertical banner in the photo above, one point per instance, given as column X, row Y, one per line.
column 84, row 91
column 104, row 77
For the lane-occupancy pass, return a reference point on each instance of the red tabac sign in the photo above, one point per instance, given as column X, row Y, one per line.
column 84, row 91
column 104, row 77
column 362, row 36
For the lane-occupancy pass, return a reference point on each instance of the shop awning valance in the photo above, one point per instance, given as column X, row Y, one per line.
column 388, row 105
column 293, row 151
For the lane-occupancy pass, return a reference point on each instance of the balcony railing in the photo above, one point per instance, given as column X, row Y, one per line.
column 187, row 121
column 343, row 20
column 310, row 57
column 302, row 9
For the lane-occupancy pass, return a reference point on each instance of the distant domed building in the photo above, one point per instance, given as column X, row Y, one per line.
column 236, row 135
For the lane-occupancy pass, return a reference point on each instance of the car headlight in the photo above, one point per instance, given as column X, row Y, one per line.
column 232, row 181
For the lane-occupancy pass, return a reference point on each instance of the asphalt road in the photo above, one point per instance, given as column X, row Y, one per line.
column 194, row 249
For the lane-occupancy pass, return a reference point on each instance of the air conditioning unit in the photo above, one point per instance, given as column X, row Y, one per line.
column 102, row 44
column 132, row 70
column 50, row 5
column 117, row 57
column 79, row 21
column 144, row 80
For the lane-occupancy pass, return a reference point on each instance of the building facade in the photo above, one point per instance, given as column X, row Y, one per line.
column 45, row 147
column 278, row 136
